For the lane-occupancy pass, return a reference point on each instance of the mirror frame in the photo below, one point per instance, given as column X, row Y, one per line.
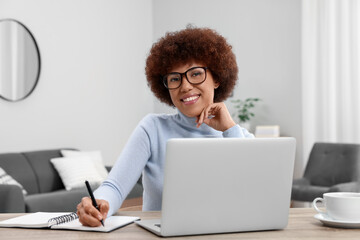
column 38, row 55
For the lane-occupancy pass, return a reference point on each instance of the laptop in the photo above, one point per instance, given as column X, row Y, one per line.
column 222, row 185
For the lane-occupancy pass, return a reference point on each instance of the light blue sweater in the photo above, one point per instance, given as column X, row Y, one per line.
column 145, row 153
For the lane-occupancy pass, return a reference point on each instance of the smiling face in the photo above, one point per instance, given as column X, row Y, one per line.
column 192, row 99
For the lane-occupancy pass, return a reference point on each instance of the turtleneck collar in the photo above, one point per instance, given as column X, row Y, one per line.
column 190, row 123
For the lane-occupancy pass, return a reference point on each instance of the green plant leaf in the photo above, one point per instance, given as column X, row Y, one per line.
column 243, row 108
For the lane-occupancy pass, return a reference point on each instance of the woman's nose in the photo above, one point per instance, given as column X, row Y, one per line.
column 185, row 85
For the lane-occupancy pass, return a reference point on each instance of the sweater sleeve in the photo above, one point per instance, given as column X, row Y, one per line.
column 127, row 169
column 237, row 132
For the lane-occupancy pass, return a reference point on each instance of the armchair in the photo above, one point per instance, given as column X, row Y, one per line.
column 332, row 167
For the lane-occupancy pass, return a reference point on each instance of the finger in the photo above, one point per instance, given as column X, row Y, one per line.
column 206, row 112
column 86, row 219
column 85, row 201
column 78, row 206
column 201, row 117
column 87, row 208
column 104, row 208
column 209, row 118
column 213, row 116
column 209, row 112
column 91, row 210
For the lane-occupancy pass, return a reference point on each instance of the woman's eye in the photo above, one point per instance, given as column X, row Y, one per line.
column 174, row 79
column 196, row 74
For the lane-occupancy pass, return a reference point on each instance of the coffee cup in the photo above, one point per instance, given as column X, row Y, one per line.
column 342, row 206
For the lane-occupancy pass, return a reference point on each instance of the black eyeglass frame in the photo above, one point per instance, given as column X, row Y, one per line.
column 181, row 77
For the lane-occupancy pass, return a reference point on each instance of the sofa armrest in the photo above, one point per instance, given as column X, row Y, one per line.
column 12, row 199
column 301, row 181
column 346, row 187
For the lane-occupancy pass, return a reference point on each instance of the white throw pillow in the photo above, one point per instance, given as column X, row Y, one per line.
column 74, row 171
column 94, row 156
column 8, row 180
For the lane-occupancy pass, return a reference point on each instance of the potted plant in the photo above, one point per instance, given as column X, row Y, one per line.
column 243, row 110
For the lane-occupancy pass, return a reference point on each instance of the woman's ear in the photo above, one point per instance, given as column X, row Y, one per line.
column 216, row 85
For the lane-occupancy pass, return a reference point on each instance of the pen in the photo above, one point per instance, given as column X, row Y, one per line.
column 93, row 199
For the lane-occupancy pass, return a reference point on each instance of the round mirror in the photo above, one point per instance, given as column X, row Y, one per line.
column 19, row 61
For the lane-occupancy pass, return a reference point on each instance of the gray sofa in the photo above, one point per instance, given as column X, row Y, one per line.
column 46, row 192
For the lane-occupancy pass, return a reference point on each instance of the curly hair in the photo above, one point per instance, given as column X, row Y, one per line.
column 201, row 45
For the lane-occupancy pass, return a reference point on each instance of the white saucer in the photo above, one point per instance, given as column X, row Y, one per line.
column 326, row 220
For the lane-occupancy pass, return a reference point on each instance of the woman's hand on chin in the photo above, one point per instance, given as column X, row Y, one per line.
column 217, row 116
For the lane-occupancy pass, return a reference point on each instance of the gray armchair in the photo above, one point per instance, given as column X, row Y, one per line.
column 332, row 167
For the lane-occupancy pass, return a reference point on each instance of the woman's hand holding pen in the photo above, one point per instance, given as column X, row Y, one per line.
column 89, row 215
column 217, row 116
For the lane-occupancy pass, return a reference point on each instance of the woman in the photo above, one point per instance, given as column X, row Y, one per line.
column 193, row 70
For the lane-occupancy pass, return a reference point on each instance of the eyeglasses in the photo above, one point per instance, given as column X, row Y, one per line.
column 194, row 75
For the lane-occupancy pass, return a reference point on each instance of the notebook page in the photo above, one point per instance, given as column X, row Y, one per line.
column 111, row 223
column 33, row 220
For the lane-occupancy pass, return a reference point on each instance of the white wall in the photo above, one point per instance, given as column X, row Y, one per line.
column 92, row 89
column 265, row 35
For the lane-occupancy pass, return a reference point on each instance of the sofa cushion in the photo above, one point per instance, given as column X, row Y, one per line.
column 94, row 156
column 17, row 166
column 57, row 201
column 47, row 177
column 74, row 171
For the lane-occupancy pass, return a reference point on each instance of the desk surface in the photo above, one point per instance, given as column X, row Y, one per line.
column 301, row 225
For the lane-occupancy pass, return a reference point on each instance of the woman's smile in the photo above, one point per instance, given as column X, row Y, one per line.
column 190, row 99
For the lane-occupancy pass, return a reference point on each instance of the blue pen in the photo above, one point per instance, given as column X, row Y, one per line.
column 93, row 199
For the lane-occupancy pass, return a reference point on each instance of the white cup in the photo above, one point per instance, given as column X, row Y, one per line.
column 343, row 206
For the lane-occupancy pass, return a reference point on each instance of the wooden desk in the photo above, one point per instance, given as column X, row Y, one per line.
column 301, row 225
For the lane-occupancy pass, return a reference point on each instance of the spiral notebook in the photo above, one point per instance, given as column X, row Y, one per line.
column 64, row 220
